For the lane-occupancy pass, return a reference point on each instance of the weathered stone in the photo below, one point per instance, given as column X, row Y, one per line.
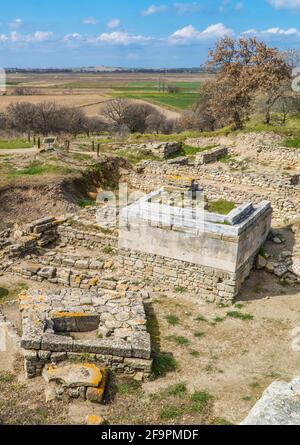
column 96, row 395
column 279, row 405
column 74, row 375
column 94, row 420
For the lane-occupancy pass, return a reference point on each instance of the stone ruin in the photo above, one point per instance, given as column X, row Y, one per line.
column 104, row 326
column 207, row 253
column 96, row 313
column 161, row 150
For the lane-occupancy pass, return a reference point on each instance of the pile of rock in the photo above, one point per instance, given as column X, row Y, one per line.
column 286, row 266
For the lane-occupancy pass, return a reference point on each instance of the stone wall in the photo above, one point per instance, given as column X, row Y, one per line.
column 117, row 326
column 208, row 156
column 209, row 284
column 34, row 362
column 83, row 237
column 282, row 190
column 162, row 150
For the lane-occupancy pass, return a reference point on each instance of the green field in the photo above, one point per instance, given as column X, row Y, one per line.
column 6, row 144
column 178, row 101
column 148, row 91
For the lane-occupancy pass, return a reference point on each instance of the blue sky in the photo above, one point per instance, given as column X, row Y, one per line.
column 135, row 33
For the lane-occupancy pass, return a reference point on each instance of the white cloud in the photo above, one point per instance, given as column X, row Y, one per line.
column 189, row 34
column 290, row 32
column 114, row 23
column 3, row 38
column 285, row 4
column 154, row 10
column 89, row 21
column 73, row 37
column 38, row 36
column 17, row 23
column 121, row 38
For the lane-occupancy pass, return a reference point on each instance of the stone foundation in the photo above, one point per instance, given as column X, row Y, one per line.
column 53, row 325
column 207, row 283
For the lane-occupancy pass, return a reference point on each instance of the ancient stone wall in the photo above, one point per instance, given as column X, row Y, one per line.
column 87, row 238
column 282, row 190
column 207, row 283
column 208, row 156
column 119, row 338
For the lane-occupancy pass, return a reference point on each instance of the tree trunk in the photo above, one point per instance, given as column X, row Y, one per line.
column 267, row 119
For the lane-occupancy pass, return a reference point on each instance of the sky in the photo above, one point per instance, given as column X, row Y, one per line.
column 136, row 33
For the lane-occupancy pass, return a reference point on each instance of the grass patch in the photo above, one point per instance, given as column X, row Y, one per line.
column 200, row 401
column 199, row 334
column 240, row 316
column 42, row 412
column 36, row 169
column 85, row 202
column 173, row 320
column 178, row 390
column 128, row 387
column 292, row 143
column 179, row 340
column 170, row 412
column 136, row 156
column 12, row 144
column 221, row 206
column 195, row 353
column 180, row 290
column 201, row 318
column 226, row 159
column 163, row 363
column 6, row 377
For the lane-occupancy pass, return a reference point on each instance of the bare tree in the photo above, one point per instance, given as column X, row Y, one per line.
column 47, row 118
column 21, row 117
column 155, row 122
column 115, row 110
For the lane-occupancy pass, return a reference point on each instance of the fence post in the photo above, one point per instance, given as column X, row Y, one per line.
column 98, row 150
column 93, row 145
column 39, row 142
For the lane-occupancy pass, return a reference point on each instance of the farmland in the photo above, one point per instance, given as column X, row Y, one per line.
column 90, row 92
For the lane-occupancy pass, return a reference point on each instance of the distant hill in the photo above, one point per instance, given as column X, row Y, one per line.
column 107, row 69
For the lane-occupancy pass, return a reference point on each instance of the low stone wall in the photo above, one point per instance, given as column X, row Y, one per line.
column 88, row 274
column 77, row 237
column 162, row 150
column 208, row 156
column 34, row 362
column 212, row 285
